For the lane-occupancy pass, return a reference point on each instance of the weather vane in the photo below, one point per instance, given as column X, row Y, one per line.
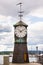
column 20, row 12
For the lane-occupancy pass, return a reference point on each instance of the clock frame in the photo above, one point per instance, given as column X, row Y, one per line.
column 20, row 31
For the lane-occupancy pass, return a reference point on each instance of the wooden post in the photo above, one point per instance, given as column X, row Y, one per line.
column 6, row 60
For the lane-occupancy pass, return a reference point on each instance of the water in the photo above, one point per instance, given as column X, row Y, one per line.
column 31, row 59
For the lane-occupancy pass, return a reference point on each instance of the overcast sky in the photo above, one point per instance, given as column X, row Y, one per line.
column 33, row 16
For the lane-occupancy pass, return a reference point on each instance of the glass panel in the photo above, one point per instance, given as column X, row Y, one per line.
column 20, row 40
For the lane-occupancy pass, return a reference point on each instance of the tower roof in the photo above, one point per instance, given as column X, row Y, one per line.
column 20, row 23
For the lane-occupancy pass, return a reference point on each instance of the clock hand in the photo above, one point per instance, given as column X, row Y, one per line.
column 23, row 29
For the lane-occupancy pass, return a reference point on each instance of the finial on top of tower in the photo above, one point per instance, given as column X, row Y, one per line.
column 20, row 12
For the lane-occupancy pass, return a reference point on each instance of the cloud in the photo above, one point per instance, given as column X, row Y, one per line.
column 2, row 47
column 5, row 28
column 35, row 33
column 9, row 8
column 7, row 20
column 9, row 48
column 8, row 17
column 7, row 38
column 33, row 47
column 40, row 46
column 7, row 41
column 38, row 12
column 35, row 37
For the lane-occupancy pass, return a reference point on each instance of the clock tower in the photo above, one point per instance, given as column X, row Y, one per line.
column 20, row 54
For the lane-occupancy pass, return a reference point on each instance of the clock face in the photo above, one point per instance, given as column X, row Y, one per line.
column 20, row 31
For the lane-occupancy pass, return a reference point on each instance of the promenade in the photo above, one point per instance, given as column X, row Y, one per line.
column 26, row 64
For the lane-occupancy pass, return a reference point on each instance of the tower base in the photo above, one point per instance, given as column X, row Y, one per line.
column 20, row 54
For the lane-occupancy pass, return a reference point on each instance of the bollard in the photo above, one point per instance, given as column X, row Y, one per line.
column 6, row 60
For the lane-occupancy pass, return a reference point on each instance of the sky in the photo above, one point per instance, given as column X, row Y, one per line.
column 33, row 16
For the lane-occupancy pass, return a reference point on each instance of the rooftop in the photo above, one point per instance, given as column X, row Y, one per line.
column 20, row 23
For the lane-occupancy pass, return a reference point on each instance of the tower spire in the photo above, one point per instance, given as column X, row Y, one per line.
column 20, row 12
